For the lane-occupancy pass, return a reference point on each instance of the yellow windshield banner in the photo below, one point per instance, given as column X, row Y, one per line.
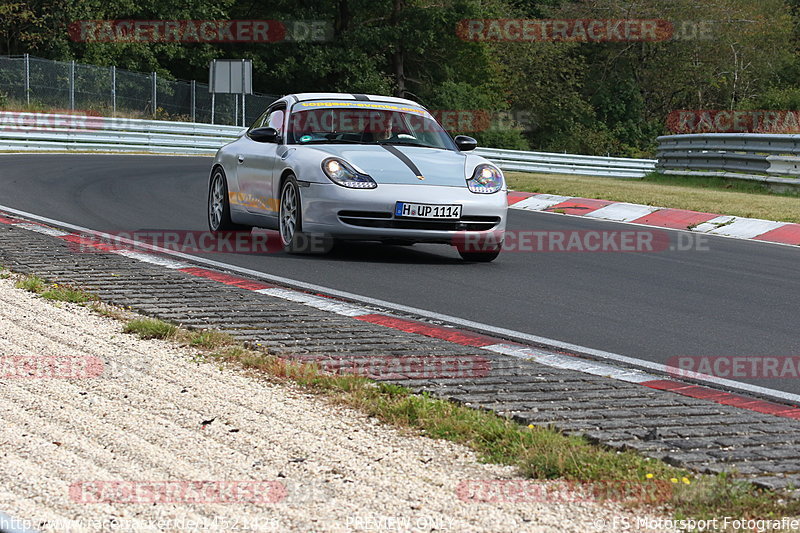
column 367, row 105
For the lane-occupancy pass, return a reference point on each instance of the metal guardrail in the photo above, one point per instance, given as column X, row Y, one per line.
column 63, row 132
column 552, row 163
column 771, row 158
column 66, row 132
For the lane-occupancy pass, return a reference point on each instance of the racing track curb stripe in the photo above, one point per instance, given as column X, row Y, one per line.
column 462, row 337
column 662, row 217
column 725, row 398
column 227, row 279
column 458, row 336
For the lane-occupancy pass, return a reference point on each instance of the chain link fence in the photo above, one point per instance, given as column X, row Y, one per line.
column 34, row 84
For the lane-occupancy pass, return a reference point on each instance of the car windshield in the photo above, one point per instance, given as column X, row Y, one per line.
column 367, row 123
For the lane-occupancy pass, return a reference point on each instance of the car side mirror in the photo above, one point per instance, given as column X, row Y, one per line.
column 465, row 144
column 265, row 135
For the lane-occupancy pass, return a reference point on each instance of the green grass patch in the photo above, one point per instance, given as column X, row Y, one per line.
column 151, row 328
column 108, row 311
column 717, row 183
column 65, row 293
column 55, row 292
column 711, row 195
column 31, row 283
column 209, row 339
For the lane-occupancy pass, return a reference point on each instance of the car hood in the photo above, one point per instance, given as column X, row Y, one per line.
column 438, row 167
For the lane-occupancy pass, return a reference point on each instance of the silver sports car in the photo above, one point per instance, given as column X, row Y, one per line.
column 358, row 167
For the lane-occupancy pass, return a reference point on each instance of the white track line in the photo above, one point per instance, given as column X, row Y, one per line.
column 541, row 201
column 476, row 326
column 152, row 259
column 318, row 302
column 743, row 228
column 622, row 212
column 41, row 229
column 572, row 363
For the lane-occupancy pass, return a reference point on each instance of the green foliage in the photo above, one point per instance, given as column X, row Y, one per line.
column 31, row 283
column 62, row 293
column 594, row 98
column 776, row 99
column 507, row 139
column 150, row 328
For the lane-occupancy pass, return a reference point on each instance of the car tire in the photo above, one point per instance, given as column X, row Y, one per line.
column 479, row 250
column 290, row 223
column 219, row 208
column 479, row 257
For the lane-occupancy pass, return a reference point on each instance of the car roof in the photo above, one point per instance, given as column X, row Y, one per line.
column 305, row 97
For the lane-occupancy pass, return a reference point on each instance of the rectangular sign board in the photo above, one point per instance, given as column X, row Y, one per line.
column 231, row 76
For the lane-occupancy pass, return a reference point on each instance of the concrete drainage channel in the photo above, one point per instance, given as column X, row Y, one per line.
column 687, row 426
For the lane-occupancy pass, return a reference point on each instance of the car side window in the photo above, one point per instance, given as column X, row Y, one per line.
column 275, row 120
column 259, row 121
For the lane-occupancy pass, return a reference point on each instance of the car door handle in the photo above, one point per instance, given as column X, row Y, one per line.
column 241, row 159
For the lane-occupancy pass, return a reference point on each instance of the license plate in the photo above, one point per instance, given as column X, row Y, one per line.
column 409, row 210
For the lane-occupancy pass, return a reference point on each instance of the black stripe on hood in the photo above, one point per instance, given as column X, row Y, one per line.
column 405, row 159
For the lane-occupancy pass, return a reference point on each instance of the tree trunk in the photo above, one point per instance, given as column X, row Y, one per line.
column 398, row 58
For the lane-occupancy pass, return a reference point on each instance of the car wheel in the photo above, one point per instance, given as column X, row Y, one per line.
column 479, row 249
column 290, row 223
column 479, row 257
column 219, row 208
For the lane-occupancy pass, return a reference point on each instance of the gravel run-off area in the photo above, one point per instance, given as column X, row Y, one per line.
column 104, row 407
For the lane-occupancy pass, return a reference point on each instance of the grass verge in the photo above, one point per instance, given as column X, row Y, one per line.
column 538, row 452
column 54, row 291
column 710, row 195
column 152, row 328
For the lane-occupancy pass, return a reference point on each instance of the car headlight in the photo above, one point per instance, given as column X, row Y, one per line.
column 342, row 173
column 486, row 179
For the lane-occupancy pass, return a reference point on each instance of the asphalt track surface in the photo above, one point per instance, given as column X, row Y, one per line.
column 733, row 298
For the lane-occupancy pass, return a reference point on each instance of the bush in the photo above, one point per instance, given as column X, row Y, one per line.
column 507, row 139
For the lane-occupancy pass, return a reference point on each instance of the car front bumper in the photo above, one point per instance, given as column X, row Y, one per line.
column 368, row 214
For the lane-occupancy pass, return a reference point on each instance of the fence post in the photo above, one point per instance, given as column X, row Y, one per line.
column 236, row 111
column 155, row 103
column 113, row 90
column 243, row 77
column 194, row 99
column 27, row 79
column 72, row 85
